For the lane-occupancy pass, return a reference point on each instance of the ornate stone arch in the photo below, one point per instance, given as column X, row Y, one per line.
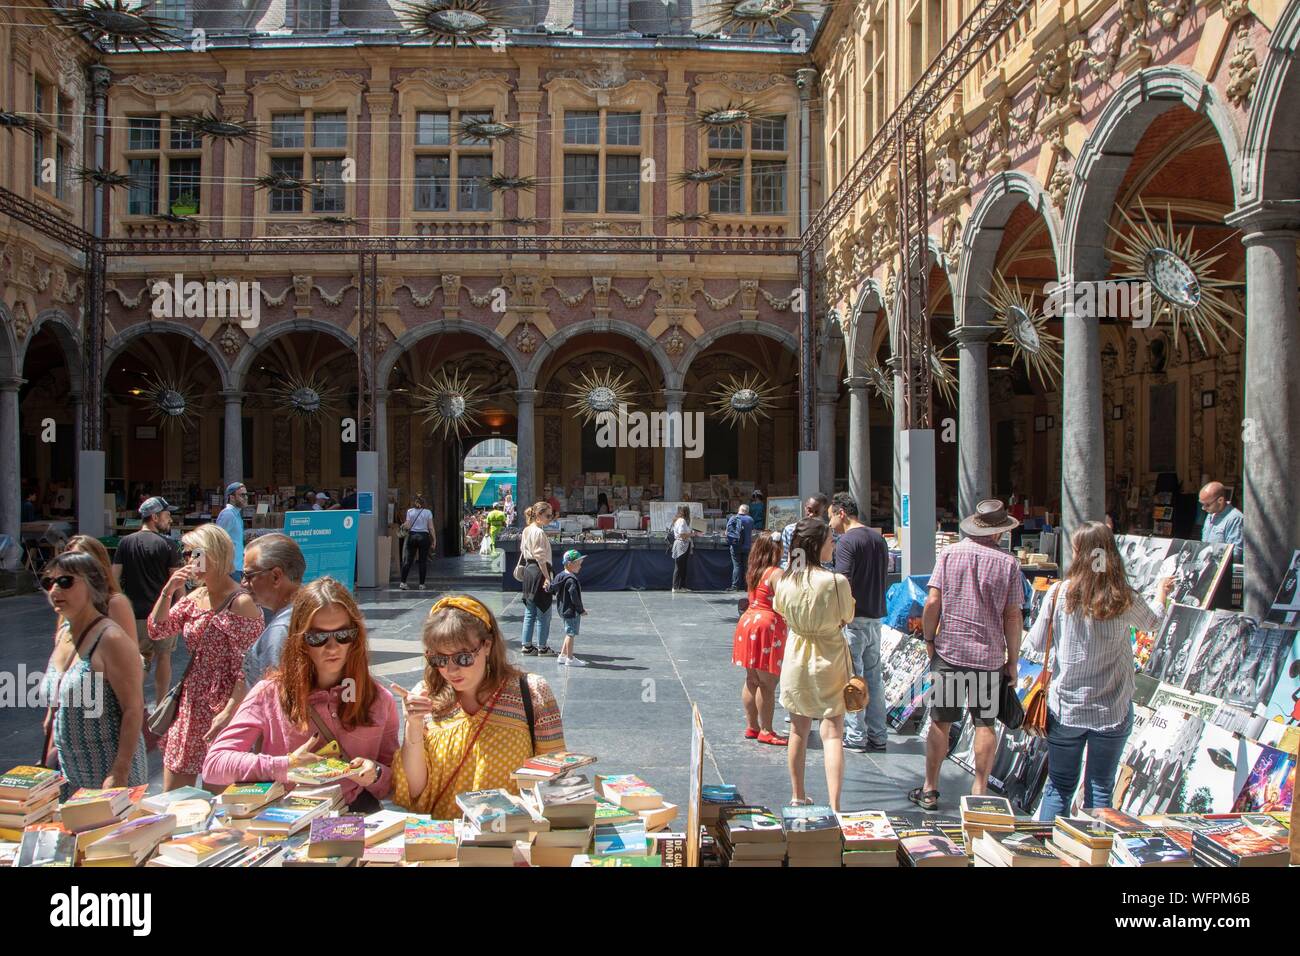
column 552, row 343
column 1106, row 153
column 741, row 327
column 119, row 342
column 272, row 332
column 1271, row 159
column 862, row 345
column 9, row 364
column 424, row 330
column 894, row 309
column 65, row 331
column 983, row 235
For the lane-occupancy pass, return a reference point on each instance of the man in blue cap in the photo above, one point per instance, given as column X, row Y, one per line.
column 142, row 564
column 231, row 521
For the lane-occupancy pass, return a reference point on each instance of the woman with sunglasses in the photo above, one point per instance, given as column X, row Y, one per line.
column 474, row 718
column 535, row 555
column 119, row 605
column 322, row 691
column 95, row 681
column 219, row 622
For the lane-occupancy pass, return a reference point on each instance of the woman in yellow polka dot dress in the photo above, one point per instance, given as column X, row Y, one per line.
column 474, row 718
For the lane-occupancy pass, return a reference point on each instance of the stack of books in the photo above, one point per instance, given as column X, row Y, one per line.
column 568, row 804
column 494, row 823
column 427, row 841
column 1147, row 849
column 1081, row 841
column 869, row 839
column 925, row 844
column 191, row 806
column 812, row 836
column 129, row 843
column 28, row 795
column 549, row 767
column 630, row 792
column 751, row 836
column 202, row 849
column 330, row 838
column 288, row 815
column 985, row 814
column 998, row 848
column 89, row 809
column 1238, row 844
column 670, row 847
column 715, row 796
column 243, row 801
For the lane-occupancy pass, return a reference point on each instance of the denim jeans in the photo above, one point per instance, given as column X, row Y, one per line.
column 739, row 562
column 1065, row 746
column 542, row 619
column 571, row 625
column 864, row 644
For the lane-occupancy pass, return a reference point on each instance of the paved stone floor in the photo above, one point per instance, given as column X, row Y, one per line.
column 652, row 654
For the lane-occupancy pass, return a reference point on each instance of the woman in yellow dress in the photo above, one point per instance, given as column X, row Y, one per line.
column 816, row 604
column 474, row 718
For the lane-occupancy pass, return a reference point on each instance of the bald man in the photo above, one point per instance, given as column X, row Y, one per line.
column 1222, row 520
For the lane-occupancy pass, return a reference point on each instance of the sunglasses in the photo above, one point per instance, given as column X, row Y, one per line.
column 196, row 553
column 64, row 581
column 247, row 575
column 344, row 635
column 460, row 659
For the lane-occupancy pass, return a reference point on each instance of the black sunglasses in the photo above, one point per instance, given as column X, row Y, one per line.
column 344, row 635
column 247, row 575
column 64, row 581
column 460, row 658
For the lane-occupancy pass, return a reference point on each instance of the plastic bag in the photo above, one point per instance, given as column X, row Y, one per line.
column 904, row 601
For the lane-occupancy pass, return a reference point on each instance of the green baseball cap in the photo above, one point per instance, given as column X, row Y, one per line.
column 573, row 554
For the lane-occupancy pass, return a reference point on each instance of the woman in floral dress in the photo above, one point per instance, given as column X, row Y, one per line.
column 220, row 623
column 759, row 641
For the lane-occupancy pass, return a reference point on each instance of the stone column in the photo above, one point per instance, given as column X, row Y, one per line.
column 11, row 493
column 1269, row 431
column 232, row 466
column 1083, row 442
column 526, row 472
column 899, row 425
column 974, row 436
column 673, row 449
column 77, row 402
column 860, row 444
column 827, row 402
column 381, row 447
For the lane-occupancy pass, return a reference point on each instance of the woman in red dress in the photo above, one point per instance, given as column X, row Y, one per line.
column 759, row 643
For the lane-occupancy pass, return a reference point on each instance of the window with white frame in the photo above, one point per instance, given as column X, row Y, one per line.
column 451, row 169
column 165, row 164
column 52, row 139
column 602, row 161
column 309, row 145
column 314, row 14
column 603, row 16
column 757, row 156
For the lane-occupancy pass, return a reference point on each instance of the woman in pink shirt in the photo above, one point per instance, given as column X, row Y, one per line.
column 322, row 691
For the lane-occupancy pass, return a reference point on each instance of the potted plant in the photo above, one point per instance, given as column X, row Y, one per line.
column 186, row 204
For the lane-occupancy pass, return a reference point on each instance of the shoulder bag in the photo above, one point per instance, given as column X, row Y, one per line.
column 1035, row 705
column 365, row 802
column 163, row 716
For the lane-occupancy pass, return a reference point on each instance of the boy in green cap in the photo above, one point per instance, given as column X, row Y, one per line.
column 568, row 599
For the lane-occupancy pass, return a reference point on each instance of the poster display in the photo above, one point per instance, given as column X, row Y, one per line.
column 780, row 512
column 329, row 543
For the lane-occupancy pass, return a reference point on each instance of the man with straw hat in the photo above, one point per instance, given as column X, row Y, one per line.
column 972, row 625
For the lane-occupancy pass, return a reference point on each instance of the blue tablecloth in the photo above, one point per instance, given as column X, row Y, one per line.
column 639, row 569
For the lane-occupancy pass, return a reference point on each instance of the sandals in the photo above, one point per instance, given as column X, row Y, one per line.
column 751, row 733
column 773, row 738
column 805, row 802
column 925, row 799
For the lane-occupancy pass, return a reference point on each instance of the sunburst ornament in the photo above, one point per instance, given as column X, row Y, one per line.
column 98, row 176
column 599, row 393
column 521, row 221
column 684, row 218
column 458, row 22
column 114, row 22
column 450, row 403
column 941, row 375
column 882, row 383
column 727, row 117
column 704, row 174
column 305, row 396
column 282, row 181
column 1186, row 290
column 735, row 16
column 743, row 400
column 169, row 402
column 20, row 122
column 1024, row 328
column 209, row 126
column 475, row 131
column 503, row 183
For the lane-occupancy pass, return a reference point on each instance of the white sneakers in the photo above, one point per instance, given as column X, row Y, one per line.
column 571, row 661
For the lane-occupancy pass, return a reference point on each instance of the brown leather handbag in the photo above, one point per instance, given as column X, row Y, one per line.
column 856, row 695
column 1035, row 703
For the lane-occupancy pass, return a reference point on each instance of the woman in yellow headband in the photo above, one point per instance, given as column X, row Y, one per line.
column 474, row 718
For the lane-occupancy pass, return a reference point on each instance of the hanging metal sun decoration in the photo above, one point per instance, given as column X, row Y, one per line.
column 305, row 396
column 208, row 126
column 942, row 377
column 882, row 383
column 336, row 220
column 735, row 16
column 20, row 121
column 704, row 174
column 458, row 22
column 599, row 393
column 1186, row 291
column 99, row 176
column 1024, row 328
column 449, row 403
column 115, row 23
column 504, row 183
column 728, row 117
column 170, row 403
column 521, row 221
column 683, row 218
column 476, row 131
column 743, row 400
column 281, row 181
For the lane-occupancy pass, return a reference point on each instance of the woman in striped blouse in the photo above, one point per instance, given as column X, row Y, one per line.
column 1090, row 699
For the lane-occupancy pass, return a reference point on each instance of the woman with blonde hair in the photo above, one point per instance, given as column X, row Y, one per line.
column 322, row 691
column 474, row 718
column 119, row 605
column 535, row 556
column 220, row 623
column 1086, row 621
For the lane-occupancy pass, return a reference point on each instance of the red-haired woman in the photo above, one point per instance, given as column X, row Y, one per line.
column 322, row 691
column 759, row 641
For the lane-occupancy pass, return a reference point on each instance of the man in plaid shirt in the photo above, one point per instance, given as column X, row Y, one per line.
column 972, row 624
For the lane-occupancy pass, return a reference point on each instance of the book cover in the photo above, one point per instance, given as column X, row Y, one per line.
column 250, row 794
column 383, row 824
column 323, row 771
column 46, row 844
column 648, row 860
column 342, row 829
column 196, row 848
column 86, row 796
column 1023, row 846
column 552, row 765
column 22, row 783
column 920, row 849
column 867, row 828
column 1241, row 841
column 164, row 801
column 986, row 808
column 748, row 823
column 421, row 831
column 719, row 792
column 619, row 839
column 483, row 807
column 1086, row 830
column 1150, row 849
column 629, row 790
column 607, row 812
column 809, row 822
column 1116, row 820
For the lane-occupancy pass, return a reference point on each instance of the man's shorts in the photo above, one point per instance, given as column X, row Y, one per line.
column 571, row 626
column 147, row 647
column 958, row 689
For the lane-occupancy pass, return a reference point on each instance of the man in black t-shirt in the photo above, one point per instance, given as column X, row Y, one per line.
column 142, row 565
column 862, row 556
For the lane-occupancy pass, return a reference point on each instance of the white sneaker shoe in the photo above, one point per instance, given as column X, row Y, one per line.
column 561, row 659
column 576, row 662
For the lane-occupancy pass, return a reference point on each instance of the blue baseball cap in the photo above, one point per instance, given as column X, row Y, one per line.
column 233, row 487
column 155, row 505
